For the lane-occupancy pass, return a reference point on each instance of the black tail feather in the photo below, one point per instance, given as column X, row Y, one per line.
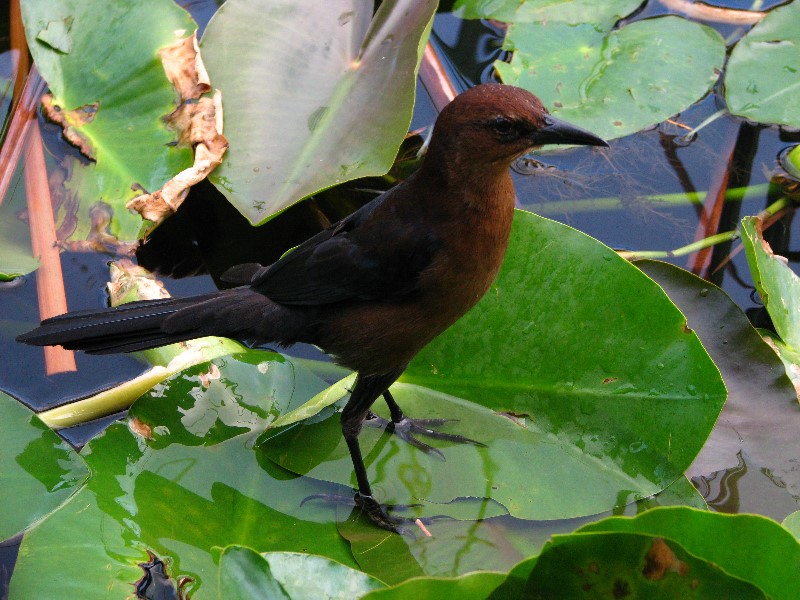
column 130, row 327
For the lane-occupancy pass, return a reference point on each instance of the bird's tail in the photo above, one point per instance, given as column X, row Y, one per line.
column 126, row 328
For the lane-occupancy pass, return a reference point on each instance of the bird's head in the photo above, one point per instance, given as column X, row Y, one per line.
column 494, row 124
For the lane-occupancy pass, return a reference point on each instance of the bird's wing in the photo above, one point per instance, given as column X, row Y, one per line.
column 356, row 258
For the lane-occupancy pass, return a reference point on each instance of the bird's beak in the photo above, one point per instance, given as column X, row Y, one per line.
column 556, row 131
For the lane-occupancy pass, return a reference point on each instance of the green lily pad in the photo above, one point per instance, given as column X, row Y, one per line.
column 196, row 485
column 108, row 54
column 617, row 82
column 320, row 95
column 762, row 78
column 751, row 547
column 39, row 470
column 246, row 574
column 779, row 288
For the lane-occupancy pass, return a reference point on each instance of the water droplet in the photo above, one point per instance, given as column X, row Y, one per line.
column 569, row 385
column 704, row 292
column 625, row 388
column 637, row 447
column 691, row 389
column 660, row 365
column 346, row 17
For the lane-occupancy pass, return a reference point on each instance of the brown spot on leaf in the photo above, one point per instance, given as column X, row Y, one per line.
column 660, row 559
column 71, row 121
column 617, row 123
column 686, row 328
column 610, row 380
column 209, row 376
column 140, row 428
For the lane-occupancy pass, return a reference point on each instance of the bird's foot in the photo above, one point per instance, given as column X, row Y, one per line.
column 406, row 429
column 377, row 513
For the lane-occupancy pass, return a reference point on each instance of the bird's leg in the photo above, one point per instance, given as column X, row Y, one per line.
column 405, row 428
column 365, row 392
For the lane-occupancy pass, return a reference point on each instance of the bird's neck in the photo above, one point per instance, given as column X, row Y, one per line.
column 471, row 186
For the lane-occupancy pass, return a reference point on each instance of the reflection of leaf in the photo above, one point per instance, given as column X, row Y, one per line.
column 15, row 240
column 113, row 62
column 762, row 78
column 319, row 94
column 614, row 82
column 779, row 288
column 39, row 470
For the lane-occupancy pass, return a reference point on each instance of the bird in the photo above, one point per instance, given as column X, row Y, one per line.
column 374, row 288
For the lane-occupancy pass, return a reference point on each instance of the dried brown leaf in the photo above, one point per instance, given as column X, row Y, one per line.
column 185, row 69
column 200, row 125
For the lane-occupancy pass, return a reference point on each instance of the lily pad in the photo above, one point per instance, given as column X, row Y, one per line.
column 614, row 82
column 320, row 95
column 171, row 489
column 102, row 60
column 762, row 78
column 779, row 288
column 39, row 470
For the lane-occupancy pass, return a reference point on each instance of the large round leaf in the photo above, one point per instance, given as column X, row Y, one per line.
column 762, row 79
column 318, row 96
column 107, row 53
column 614, row 82
column 39, row 471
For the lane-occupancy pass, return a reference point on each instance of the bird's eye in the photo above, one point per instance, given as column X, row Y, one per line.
column 502, row 126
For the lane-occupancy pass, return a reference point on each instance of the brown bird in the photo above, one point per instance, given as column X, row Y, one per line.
column 374, row 288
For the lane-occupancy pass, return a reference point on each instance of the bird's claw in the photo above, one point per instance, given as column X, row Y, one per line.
column 377, row 513
column 406, row 428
